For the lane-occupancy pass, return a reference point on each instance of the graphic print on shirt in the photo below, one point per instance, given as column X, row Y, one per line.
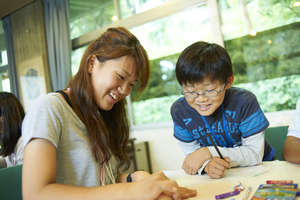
column 241, row 121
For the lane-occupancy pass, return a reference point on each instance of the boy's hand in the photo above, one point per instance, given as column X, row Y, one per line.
column 217, row 166
column 193, row 162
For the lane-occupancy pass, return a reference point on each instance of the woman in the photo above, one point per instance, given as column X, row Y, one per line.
column 11, row 117
column 76, row 139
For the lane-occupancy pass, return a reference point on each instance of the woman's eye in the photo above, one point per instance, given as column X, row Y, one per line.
column 121, row 77
column 132, row 85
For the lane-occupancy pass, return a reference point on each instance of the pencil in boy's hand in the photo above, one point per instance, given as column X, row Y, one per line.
column 217, row 149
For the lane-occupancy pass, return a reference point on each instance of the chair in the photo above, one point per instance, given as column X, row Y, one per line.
column 11, row 183
column 275, row 136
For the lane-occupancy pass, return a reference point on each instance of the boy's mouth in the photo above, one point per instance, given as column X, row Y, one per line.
column 204, row 107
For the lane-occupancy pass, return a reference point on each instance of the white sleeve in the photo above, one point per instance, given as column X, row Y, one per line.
column 189, row 147
column 294, row 128
column 249, row 153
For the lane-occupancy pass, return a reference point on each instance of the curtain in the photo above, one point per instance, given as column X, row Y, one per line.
column 12, row 72
column 58, row 42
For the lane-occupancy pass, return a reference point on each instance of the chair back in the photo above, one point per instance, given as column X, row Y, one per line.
column 275, row 136
column 11, row 183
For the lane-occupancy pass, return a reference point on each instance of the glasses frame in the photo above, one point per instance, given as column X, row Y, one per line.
column 197, row 94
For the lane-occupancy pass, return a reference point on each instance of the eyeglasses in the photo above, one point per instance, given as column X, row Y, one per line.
column 208, row 93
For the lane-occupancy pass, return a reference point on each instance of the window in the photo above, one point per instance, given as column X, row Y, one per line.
column 86, row 16
column 76, row 58
column 261, row 36
column 164, row 39
column 132, row 7
column 4, row 79
column 265, row 58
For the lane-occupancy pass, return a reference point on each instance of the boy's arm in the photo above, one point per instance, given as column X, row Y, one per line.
column 249, row 153
column 196, row 157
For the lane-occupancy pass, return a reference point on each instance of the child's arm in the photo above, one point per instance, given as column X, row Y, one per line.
column 216, row 167
column 249, row 153
column 195, row 157
column 198, row 159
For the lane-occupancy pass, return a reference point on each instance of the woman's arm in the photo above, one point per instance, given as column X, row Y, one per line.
column 39, row 181
column 291, row 149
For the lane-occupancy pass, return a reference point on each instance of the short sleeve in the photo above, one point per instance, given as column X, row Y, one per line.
column 180, row 132
column 42, row 121
column 253, row 120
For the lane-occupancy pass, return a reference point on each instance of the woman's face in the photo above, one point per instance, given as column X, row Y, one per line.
column 112, row 80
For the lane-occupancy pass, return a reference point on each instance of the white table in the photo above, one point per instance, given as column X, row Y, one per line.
column 253, row 176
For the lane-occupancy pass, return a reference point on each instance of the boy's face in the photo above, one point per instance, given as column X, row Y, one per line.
column 207, row 96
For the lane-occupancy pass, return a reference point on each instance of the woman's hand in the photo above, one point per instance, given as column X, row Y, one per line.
column 160, row 187
column 217, row 166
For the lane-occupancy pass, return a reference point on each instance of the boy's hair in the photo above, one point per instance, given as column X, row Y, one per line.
column 203, row 60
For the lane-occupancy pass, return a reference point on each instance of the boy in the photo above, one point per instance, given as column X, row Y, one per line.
column 210, row 108
column 291, row 148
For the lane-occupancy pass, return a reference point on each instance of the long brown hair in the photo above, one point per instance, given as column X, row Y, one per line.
column 108, row 131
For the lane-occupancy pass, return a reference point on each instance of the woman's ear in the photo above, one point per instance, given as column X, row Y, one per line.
column 229, row 81
column 91, row 62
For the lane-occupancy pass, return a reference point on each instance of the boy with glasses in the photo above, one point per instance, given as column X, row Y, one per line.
column 213, row 119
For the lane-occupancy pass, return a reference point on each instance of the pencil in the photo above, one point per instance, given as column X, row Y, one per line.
column 216, row 147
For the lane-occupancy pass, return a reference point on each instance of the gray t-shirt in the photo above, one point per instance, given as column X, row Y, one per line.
column 52, row 118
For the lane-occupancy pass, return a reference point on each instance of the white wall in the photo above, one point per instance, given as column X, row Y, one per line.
column 165, row 154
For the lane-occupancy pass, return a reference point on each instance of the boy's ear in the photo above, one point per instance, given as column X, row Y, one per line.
column 229, row 81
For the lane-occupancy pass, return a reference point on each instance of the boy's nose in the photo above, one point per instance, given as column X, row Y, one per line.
column 201, row 98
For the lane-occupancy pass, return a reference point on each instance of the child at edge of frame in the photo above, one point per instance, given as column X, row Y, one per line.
column 213, row 113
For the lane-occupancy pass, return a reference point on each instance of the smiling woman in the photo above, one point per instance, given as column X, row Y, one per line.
column 118, row 85
column 79, row 136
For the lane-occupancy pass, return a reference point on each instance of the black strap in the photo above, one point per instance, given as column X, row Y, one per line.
column 129, row 178
column 65, row 96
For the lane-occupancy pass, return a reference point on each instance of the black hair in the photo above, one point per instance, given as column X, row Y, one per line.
column 12, row 114
column 201, row 60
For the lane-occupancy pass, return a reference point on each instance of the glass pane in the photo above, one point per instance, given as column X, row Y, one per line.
column 76, row 58
column 164, row 39
column 131, row 7
column 3, row 55
column 86, row 16
column 263, row 15
column 273, row 13
column 4, row 81
column 267, row 63
column 172, row 34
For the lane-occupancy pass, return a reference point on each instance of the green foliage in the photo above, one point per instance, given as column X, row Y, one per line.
column 162, row 79
column 270, row 54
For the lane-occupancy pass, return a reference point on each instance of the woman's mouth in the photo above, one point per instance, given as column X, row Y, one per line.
column 114, row 96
